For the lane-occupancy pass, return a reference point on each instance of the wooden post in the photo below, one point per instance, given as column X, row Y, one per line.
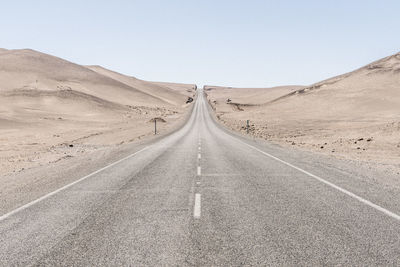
column 248, row 126
column 155, row 125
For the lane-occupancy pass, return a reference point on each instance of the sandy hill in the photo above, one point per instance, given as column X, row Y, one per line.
column 371, row 91
column 47, row 102
column 30, row 80
column 355, row 115
column 183, row 88
column 157, row 90
column 226, row 99
column 252, row 96
column 27, row 69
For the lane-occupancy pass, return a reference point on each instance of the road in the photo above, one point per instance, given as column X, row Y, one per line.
column 203, row 196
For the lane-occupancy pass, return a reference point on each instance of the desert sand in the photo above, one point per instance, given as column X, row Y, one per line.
column 354, row 116
column 52, row 109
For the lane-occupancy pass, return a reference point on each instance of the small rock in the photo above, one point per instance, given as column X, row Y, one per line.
column 369, row 139
column 71, row 145
column 322, row 147
column 358, row 147
column 360, row 139
column 189, row 100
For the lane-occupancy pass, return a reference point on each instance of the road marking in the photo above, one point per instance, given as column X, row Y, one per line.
column 198, row 170
column 199, row 148
column 5, row 216
column 362, row 200
column 197, row 206
column 198, row 183
column 220, row 174
column 199, row 156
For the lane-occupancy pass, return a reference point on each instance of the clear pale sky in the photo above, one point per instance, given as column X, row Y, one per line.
column 235, row 43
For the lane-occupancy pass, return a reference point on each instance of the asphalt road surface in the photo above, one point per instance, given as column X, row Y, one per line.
column 203, row 196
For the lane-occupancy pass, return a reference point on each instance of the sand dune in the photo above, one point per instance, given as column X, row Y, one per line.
column 355, row 115
column 28, row 69
column 226, row 99
column 369, row 91
column 160, row 91
column 48, row 104
column 183, row 88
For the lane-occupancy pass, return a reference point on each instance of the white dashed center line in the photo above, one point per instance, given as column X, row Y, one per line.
column 197, row 196
column 197, row 206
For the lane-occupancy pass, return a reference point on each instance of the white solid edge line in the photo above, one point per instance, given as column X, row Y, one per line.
column 197, row 205
column 198, row 170
column 5, row 216
column 362, row 200
column 199, row 156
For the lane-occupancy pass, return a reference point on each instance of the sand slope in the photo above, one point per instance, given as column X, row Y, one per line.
column 355, row 115
column 157, row 90
column 48, row 104
column 226, row 99
column 28, row 69
column 183, row 88
column 372, row 90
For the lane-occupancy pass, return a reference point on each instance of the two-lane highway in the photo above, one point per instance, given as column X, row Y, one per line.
column 203, row 196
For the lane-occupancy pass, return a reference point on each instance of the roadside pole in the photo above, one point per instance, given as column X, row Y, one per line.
column 155, row 126
column 248, row 126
